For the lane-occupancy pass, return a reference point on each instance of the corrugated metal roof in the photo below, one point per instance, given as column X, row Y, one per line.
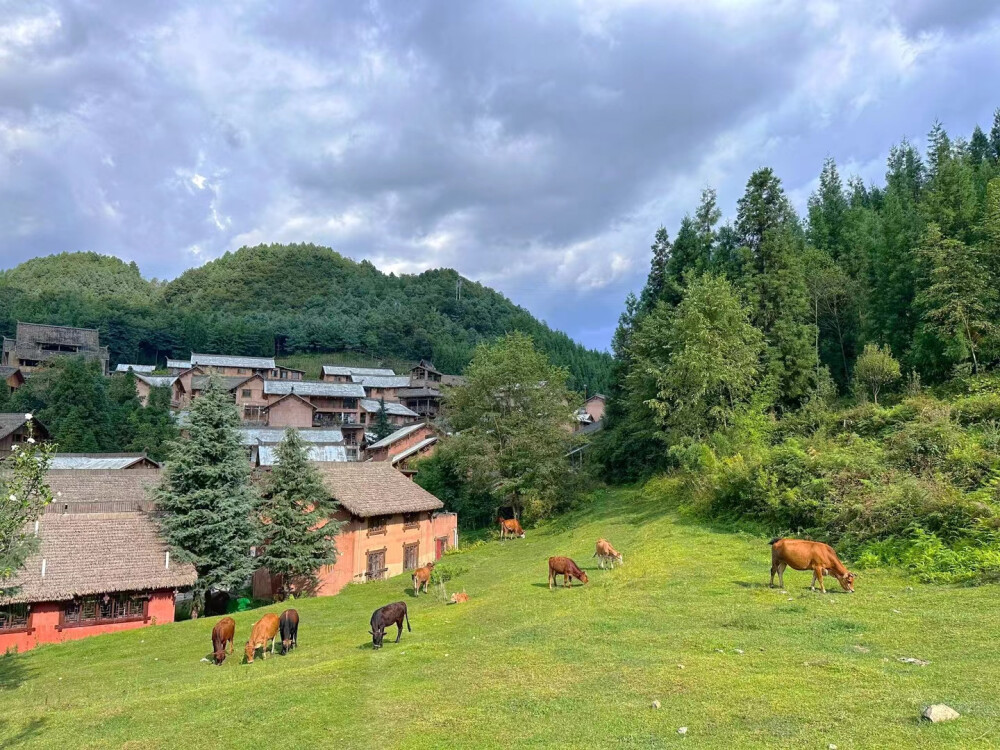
column 382, row 381
column 414, row 449
column 340, row 370
column 397, row 435
column 313, row 388
column 95, row 462
column 274, row 435
column 267, row 454
column 145, row 369
column 374, row 405
column 222, row 360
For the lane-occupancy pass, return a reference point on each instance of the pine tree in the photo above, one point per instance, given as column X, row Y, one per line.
column 123, row 404
column 206, row 498
column 995, row 137
column 76, row 406
column 979, row 147
column 657, row 280
column 828, row 213
column 763, row 207
column 295, row 518
column 382, row 427
column 153, row 428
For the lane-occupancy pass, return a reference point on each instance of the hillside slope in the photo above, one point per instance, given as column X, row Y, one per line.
column 524, row 666
column 280, row 299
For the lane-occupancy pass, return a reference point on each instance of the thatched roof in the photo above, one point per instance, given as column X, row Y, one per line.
column 88, row 549
column 375, row 489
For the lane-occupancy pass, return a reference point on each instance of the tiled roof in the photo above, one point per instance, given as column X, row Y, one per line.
column 178, row 364
column 373, row 405
column 144, row 369
column 267, row 454
column 221, row 360
column 418, row 393
column 9, row 423
column 273, row 435
column 600, row 396
column 88, row 551
column 414, row 449
column 427, row 365
column 339, row 370
column 157, row 381
column 375, row 488
column 313, row 388
column 97, row 461
column 229, row 382
column 453, row 380
column 399, row 434
column 382, row 381
column 6, row 372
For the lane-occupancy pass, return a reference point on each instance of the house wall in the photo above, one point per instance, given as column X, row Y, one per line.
column 385, row 454
column 44, row 622
column 17, row 436
column 595, row 408
column 290, row 412
column 391, row 395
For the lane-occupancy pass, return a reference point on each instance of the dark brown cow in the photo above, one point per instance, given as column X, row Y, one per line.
column 383, row 617
column 563, row 566
column 422, row 577
column 800, row 554
column 510, row 527
column 264, row 630
column 223, row 633
column 288, row 626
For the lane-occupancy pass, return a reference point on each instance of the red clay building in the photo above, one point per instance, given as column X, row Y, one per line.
column 404, row 445
column 101, row 566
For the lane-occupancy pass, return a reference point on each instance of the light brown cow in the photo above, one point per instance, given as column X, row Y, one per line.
column 264, row 630
column 607, row 554
column 510, row 527
column 223, row 633
column 422, row 577
column 800, row 554
column 563, row 566
column 459, row 598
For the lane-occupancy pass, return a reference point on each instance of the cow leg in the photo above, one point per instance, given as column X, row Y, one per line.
column 774, row 569
column 781, row 574
column 551, row 578
column 818, row 572
column 399, row 631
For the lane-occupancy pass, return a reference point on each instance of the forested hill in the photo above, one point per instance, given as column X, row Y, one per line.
column 279, row 300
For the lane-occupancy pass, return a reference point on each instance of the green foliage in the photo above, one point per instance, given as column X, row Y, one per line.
column 382, row 426
column 295, row 518
column 206, row 498
column 23, row 497
column 875, row 369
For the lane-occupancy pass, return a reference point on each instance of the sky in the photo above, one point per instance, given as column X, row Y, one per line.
column 533, row 146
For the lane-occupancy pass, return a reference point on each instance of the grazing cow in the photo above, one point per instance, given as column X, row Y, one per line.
column 510, row 527
column 459, row 598
column 264, row 630
column 563, row 566
column 422, row 577
column 288, row 626
column 223, row 633
column 607, row 554
column 390, row 614
column 800, row 554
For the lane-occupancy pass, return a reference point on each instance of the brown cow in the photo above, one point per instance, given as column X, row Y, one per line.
column 264, row 630
column 288, row 626
column 563, row 566
column 510, row 527
column 459, row 598
column 800, row 554
column 422, row 577
column 223, row 633
column 606, row 553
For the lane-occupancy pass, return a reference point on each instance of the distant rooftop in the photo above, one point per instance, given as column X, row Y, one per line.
column 144, row 369
column 274, row 435
column 382, row 381
column 348, row 371
column 222, row 360
column 267, row 454
column 178, row 364
column 373, row 406
column 395, row 436
column 157, row 381
column 100, row 461
column 313, row 388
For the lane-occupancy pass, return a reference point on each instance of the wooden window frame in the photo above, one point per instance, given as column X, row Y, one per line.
column 415, row 546
column 26, row 628
column 415, row 524
column 246, row 393
column 376, row 530
column 144, row 617
column 381, row 573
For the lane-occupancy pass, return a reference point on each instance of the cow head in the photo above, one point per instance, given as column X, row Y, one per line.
column 620, row 559
column 847, row 581
column 582, row 577
column 377, row 635
column 286, row 643
column 220, row 656
column 249, row 651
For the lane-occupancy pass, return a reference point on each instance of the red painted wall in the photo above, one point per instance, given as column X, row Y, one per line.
column 45, row 621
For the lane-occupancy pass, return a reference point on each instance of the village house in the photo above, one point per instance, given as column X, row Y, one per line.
column 339, row 374
column 11, row 378
column 144, row 385
column 325, row 444
column 14, row 431
column 391, row 525
column 101, row 566
column 403, row 446
column 102, row 461
column 233, row 366
column 397, row 414
column 35, row 344
column 136, row 369
column 331, row 405
column 594, row 407
column 424, row 395
column 382, row 386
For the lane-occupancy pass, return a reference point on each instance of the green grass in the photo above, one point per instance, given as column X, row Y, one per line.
column 522, row 666
column 313, row 363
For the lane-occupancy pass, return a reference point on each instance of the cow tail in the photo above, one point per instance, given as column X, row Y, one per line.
column 776, row 539
column 406, row 615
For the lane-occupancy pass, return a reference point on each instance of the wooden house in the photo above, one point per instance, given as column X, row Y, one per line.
column 101, row 566
column 35, row 344
column 343, row 374
column 135, row 369
column 11, row 378
column 144, row 385
column 379, row 387
column 14, row 431
column 397, row 414
column 266, row 367
column 391, row 525
column 403, row 446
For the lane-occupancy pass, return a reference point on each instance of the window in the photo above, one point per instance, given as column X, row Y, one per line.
column 411, row 520
column 14, row 617
column 94, row 610
column 375, row 570
column 350, row 403
column 253, row 413
column 247, row 393
column 411, row 553
column 376, row 525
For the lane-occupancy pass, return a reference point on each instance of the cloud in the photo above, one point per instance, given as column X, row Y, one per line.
column 533, row 146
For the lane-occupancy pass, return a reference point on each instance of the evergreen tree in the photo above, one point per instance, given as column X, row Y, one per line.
column 656, row 282
column 123, row 404
column 152, row 428
column 828, row 213
column 995, row 137
column 949, row 199
column 763, row 207
column 206, row 498
column 979, row 147
column 76, row 409
column 295, row 518
column 382, row 427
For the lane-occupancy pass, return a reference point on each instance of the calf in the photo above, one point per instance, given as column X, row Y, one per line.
column 607, row 554
column 223, row 633
column 459, row 598
column 510, row 527
column 563, row 566
column 288, row 625
column 800, row 554
column 390, row 614
column 264, row 630
column 422, row 577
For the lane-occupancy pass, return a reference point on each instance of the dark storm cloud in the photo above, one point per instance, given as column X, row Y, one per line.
column 533, row 146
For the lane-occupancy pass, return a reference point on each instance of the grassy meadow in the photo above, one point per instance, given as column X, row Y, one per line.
column 688, row 621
